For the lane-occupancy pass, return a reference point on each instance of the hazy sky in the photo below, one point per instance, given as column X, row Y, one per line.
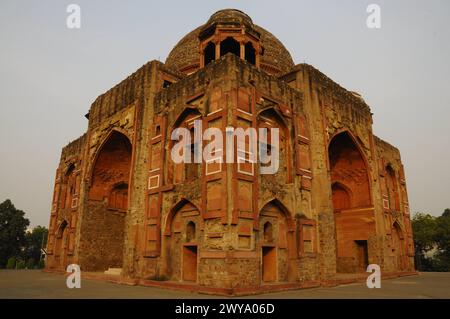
column 49, row 75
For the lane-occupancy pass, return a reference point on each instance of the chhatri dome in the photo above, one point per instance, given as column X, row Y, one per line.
column 230, row 30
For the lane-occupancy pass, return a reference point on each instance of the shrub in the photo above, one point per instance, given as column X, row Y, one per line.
column 30, row 263
column 11, row 264
column 21, row 264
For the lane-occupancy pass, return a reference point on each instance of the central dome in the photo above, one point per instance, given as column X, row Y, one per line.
column 185, row 56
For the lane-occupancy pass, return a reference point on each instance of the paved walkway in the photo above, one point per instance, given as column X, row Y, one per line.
column 37, row 284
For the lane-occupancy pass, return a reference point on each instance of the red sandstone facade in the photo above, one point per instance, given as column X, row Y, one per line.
column 338, row 202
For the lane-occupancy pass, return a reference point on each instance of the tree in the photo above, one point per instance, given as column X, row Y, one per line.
column 432, row 233
column 442, row 238
column 34, row 241
column 446, row 212
column 13, row 225
column 424, row 229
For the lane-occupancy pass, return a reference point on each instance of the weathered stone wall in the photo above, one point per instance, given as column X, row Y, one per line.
column 61, row 243
column 395, row 207
column 103, row 238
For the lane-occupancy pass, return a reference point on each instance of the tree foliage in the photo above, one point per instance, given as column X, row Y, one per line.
column 18, row 248
column 432, row 241
column 13, row 225
column 35, row 240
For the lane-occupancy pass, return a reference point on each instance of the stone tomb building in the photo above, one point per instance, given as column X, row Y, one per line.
column 337, row 203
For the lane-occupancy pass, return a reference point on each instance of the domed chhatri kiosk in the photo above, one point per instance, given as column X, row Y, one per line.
column 337, row 203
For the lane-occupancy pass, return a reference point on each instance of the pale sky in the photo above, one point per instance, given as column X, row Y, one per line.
column 50, row 75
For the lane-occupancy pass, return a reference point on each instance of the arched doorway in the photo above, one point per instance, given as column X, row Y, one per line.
column 274, row 241
column 398, row 247
column 209, row 53
column 104, row 224
column 250, row 53
column 183, row 241
column 230, row 45
column 351, row 200
column 61, row 247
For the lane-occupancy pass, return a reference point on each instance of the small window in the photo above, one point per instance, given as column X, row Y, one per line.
column 158, row 130
column 190, row 232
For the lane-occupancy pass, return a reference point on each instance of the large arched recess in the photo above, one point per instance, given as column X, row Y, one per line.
column 352, row 203
column 103, row 225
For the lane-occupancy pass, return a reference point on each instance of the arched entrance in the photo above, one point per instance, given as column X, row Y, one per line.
column 230, row 45
column 351, row 199
column 61, row 246
column 183, row 241
column 274, row 240
column 104, row 224
column 209, row 53
column 398, row 247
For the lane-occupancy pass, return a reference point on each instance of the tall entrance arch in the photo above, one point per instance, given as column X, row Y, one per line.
column 103, row 225
column 351, row 197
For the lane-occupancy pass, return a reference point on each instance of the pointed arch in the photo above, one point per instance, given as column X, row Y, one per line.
column 111, row 165
column 175, row 209
column 180, row 172
column 68, row 186
column 250, row 53
column 270, row 118
column 397, row 226
column 392, row 188
column 355, row 140
column 61, row 243
column 189, row 112
column 209, row 53
column 107, row 201
column 350, row 186
column 346, row 155
column 100, row 147
column 342, row 196
column 277, row 203
column 276, row 240
column 272, row 110
column 61, row 227
column 230, row 45
column 182, row 242
column 70, row 169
